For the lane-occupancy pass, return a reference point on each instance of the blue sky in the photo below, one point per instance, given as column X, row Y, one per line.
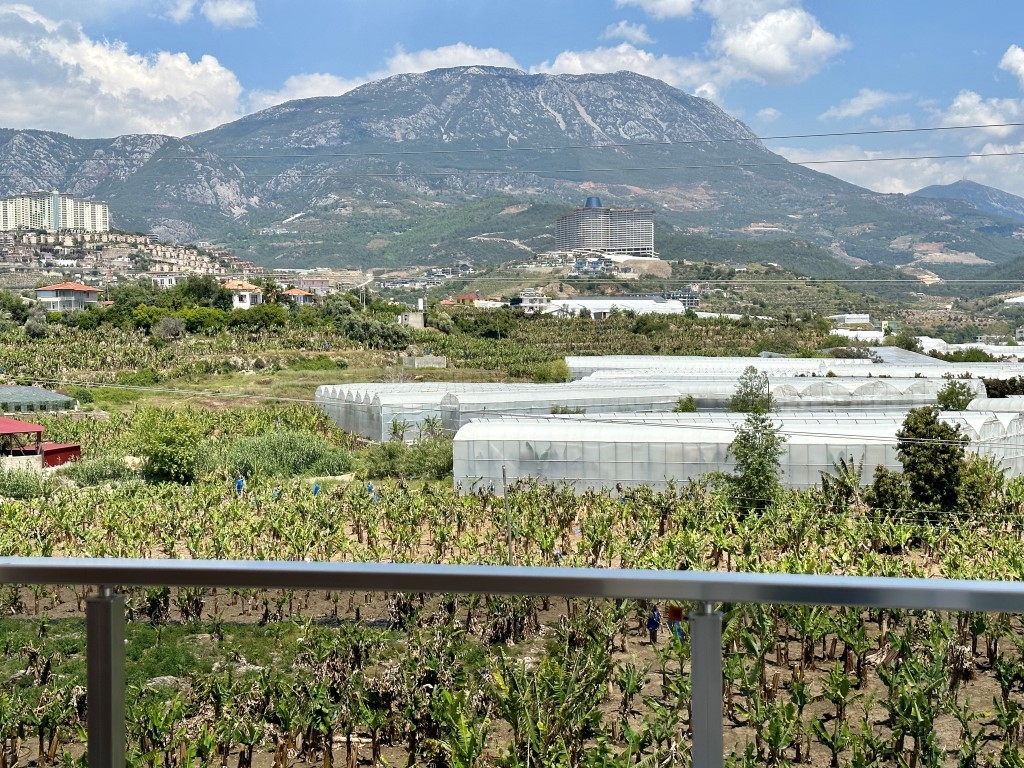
column 107, row 67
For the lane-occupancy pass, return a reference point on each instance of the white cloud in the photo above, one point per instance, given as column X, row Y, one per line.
column 303, row 87
column 678, row 71
column 866, row 100
column 631, row 33
column 307, row 86
column 457, row 55
column 1013, row 62
column 62, row 80
column 179, row 11
column 906, row 176
column 768, row 115
column 781, row 46
column 230, row 13
column 969, row 108
column 764, row 41
column 662, row 9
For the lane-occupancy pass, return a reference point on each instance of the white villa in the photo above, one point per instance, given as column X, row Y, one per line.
column 66, row 297
column 243, row 295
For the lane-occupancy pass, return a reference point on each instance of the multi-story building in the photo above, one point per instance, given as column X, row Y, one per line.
column 53, row 212
column 613, row 231
column 67, row 297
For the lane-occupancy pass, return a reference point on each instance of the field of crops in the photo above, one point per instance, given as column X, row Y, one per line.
column 276, row 678
column 270, row 677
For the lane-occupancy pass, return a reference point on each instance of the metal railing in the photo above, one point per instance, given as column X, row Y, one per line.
column 105, row 612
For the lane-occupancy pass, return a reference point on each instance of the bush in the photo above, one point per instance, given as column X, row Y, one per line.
column 168, row 442
column 553, row 372
column 281, row 454
column 81, row 394
column 144, row 377
column 96, row 471
column 21, row 484
column 426, row 459
column 317, row 363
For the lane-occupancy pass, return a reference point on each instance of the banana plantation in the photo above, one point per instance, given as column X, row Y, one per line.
column 282, row 678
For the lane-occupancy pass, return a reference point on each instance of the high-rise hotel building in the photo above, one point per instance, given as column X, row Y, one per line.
column 607, row 231
column 53, row 212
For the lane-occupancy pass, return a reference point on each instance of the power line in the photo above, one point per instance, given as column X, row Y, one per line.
column 609, row 145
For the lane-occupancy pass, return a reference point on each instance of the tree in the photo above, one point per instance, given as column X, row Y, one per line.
column 685, row 405
column 168, row 442
column 36, row 325
column 753, row 394
column 932, row 454
column 757, row 448
column 956, row 395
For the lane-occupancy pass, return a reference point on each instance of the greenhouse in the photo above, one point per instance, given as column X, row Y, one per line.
column 459, row 408
column 33, row 400
column 382, row 411
column 893, row 362
column 591, row 452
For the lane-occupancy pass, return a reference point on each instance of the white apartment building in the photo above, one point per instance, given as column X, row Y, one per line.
column 53, row 212
column 596, row 229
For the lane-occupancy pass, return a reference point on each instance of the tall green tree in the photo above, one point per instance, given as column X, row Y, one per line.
column 753, row 394
column 757, row 449
column 932, row 453
column 956, row 395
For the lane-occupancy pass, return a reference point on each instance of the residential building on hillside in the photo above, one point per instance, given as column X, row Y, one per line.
column 531, row 301
column 624, row 232
column 67, row 297
column 299, row 297
column 53, row 212
column 243, row 295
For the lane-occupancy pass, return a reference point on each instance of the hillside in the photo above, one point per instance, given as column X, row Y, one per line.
column 414, row 169
column 986, row 199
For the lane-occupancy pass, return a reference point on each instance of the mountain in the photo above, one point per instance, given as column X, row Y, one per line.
column 476, row 162
column 986, row 199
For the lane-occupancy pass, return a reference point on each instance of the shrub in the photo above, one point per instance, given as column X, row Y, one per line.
column 284, row 453
column 96, row 471
column 317, row 363
column 553, row 372
column 168, row 442
column 81, row 394
column 21, row 484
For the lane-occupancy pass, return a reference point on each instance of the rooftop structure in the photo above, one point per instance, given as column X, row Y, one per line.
column 598, row 230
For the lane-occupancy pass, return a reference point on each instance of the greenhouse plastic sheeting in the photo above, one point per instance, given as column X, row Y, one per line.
column 33, row 400
column 907, row 364
column 592, row 453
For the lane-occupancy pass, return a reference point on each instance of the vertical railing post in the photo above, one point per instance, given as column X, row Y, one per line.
column 104, row 621
column 706, row 686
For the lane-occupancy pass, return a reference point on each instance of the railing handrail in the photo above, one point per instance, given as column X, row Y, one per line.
column 687, row 586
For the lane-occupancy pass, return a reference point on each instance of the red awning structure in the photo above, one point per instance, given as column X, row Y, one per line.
column 15, row 427
column 20, row 438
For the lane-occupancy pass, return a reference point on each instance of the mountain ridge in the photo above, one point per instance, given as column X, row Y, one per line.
column 411, row 168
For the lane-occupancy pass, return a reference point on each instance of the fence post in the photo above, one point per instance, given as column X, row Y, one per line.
column 706, row 680
column 104, row 622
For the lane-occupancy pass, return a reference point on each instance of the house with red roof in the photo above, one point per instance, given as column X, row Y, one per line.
column 299, row 297
column 243, row 295
column 67, row 297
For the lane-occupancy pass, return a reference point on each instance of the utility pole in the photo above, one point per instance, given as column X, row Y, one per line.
column 508, row 514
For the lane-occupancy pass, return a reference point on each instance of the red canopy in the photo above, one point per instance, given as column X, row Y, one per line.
column 15, row 427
